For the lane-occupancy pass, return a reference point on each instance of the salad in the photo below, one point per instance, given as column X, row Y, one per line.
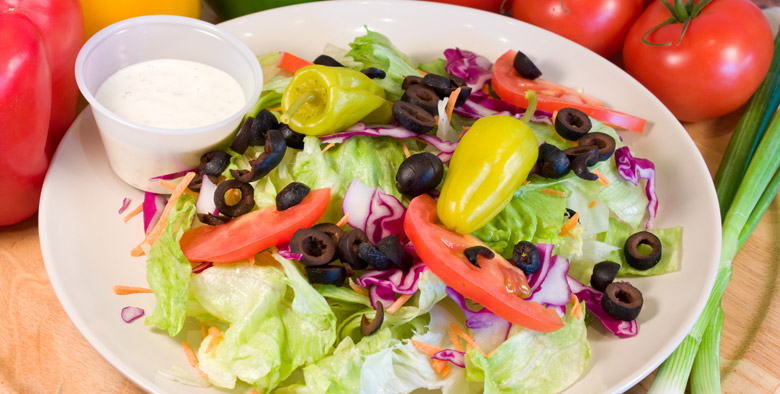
column 383, row 225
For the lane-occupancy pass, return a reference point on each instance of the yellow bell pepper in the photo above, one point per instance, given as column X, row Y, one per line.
column 322, row 100
column 490, row 163
column 101, row 13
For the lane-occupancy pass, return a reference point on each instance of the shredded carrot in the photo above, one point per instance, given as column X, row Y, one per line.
column 455, row 340
column 554, row 115
column 125, row 290
column 426, row 348
column 576, row 309
column 251, row 260
column 325, row 149
column 406, row 149
column 592, row 204
column 192, row 358
column 133, row 213
column 279, row 108
column 569, row 225
column 441, row 367
column 492, row 352
column 203, row 332
column 486, row 89
column 602, row 179
column 472, row 344
column 216, row 335
column 357, row 288
column 398, row 303
column 158, row 228
column 344, row 219
column 553, row 192
column 253, row 391
column 421, row 72
column 525, row 182
column 451, row 103
column 172, row 186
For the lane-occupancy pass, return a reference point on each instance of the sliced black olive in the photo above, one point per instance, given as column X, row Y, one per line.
column 525, row 67
column 422, row 96
column 291, row 195
column 604, row 142
column 412, row 117
column 419, row 173
column 579, row 166
column 316, row 247
column 572, row 124
column 391, row 247
column 464, row 94
column 373, row 256
column 215, row 163
column 638, row 259
column 243, row 206
column 622, row 301
column 348, row 248
column 525, row 256
column 603, row 274
column 475, row 251
column 367, row 328
column 591, row 151
column 334, row 232
column 325, row 60
column 196, row 183
column 327, row 275
column 241, row 142
column 440, row 84
column 212, row 220
column 264, row 121
column 373, row 72
column 292, row 138
column 554, row 163
column 410, row 80
column 570, row 214
column 267, row 161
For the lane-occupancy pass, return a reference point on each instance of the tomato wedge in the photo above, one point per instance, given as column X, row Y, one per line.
column 496, row 285
column 551, row 97
column 249, row 234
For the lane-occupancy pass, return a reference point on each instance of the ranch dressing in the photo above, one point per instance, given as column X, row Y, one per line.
column 171, row 94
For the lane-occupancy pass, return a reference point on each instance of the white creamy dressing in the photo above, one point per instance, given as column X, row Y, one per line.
column 171, row 94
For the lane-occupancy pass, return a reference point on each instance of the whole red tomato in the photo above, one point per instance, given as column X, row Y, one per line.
column 720, row 61
column 487, row 5
column 599, row 25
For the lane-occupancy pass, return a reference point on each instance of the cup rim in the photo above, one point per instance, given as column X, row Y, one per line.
column 182, row 21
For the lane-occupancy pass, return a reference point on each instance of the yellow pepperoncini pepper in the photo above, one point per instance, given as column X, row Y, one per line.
column 491, row 161
column 323, row 100
column 101, row 13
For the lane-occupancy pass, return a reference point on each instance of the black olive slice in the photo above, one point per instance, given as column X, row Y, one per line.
column 572, row 124
column 413, row 118
column 348, row 248
column 316, row 247
column 475, row 251
column 292, row 138
column 604, row 142
column 327, row 275
column 264, row 121
column 196, row 183
column 367, row 328
column 635, row 257
column 622, row 301
column 525, row 67
column 334, row 232
column 579, row 166
column 554, row 163
column 212, row 220
column 603, row 274
column 373, row 256
column 267, row 161
column 525, row 256
column 325, row 60
column 440, row 84
column 391, row 247
column 373, row 72
column 241, row 142
column 570, row 214
column 243, row 206
column 410, row 80
column 591, row 151
column 214, row 163
column 464, row 94
column 422, row 96
column 291, row 195
column 419, row 173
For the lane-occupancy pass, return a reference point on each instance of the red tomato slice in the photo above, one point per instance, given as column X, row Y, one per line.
column 551, row 97
column 497, row 285
column 249, row 234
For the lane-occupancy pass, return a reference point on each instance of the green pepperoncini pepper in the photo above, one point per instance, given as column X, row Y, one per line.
column 322, row 100
column 491, row 161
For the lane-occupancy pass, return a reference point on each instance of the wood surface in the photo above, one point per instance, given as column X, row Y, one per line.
column 42, row 352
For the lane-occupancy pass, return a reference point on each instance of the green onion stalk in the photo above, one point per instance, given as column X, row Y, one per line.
column 749, row 173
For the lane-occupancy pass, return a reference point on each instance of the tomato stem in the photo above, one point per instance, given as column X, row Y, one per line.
column 682, row 11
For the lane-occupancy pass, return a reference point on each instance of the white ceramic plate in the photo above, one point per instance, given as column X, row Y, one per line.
column 86, row 246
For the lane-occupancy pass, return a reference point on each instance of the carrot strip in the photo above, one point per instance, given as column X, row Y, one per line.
column 472, row 343
column 133, row 213
column 426, row 348
column 216, row 335
column 592, row 204
column 357, row 288
column 451, row 103
column 325, row 149
column 125, row 290
column 398, row 303
column 602, row 179
column 421, row 72
column 172, row 186
column 553, row 192
column 406, row 149
column 277, row 109
column 576, row 309
column 445, row 371
column 253, row 391
column 441, row 367
column 486, row 89
column 158, row 228
column 344, row 219
column 203, row 332
column 569, row 225
column 455, row 340
column 192, row 358
column 251, row 260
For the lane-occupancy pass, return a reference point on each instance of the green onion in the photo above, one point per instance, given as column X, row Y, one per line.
column 705, row 377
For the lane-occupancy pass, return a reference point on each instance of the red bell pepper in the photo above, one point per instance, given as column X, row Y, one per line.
column 38, row 95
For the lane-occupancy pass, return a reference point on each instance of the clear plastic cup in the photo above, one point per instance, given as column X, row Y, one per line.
column 137, row 152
